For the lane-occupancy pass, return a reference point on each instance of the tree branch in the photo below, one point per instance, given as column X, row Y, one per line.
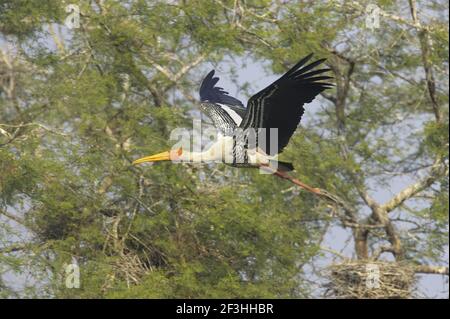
column 383, row 249
column 13, row 248
column 425, row 49
column 436, row 270
column 12, row 217
column 437, row 170
column 354, row 5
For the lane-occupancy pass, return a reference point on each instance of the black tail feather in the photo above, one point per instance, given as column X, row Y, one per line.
column 282, row 166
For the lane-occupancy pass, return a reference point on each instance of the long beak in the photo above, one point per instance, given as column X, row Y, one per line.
column 164, row 156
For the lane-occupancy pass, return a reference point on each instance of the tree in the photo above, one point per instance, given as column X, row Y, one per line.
column 78, row 105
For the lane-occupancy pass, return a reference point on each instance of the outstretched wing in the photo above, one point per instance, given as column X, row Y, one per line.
column 225, row 111
column 280, row 105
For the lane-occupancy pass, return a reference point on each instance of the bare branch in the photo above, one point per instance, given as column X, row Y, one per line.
column 383, row 249
column 362, row 226
column 189, row 66
column 437, row 170
column 42, row 126
column 175, row 77
column 436, row 270
column 394, row 239
column 12, row 217
column 57, row 39
column 425, row 49
column 334, row 252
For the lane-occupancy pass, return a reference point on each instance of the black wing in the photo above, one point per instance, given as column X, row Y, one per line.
column 225, row 111
column 280, row 105
column 211, row 93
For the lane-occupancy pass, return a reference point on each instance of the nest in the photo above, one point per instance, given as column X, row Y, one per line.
column 130, row 268
column 370, row 280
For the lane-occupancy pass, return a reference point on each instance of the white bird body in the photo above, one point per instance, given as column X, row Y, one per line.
column 223, row 150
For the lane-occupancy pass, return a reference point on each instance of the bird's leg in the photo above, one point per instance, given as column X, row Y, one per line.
column 292, row 180
column 297, row 182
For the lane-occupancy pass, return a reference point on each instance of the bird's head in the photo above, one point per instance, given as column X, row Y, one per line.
column 172, row 155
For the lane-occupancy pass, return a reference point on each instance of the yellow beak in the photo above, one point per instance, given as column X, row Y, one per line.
column 164, row 156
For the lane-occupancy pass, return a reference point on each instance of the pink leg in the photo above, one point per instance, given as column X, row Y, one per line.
column 293, row 180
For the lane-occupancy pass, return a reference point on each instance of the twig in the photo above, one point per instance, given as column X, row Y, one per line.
column 434, row 270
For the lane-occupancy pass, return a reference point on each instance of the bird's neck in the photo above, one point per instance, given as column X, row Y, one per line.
column 218, row 151
column 194, row 157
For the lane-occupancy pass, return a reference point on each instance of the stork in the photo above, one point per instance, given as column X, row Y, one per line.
column 253, row 136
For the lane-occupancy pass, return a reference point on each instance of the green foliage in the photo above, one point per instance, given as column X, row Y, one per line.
column 436, row 138
column 23, row 17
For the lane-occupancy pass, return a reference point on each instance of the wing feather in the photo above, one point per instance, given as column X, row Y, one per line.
column 225, row 111
column 211, row 93
column 280, row 105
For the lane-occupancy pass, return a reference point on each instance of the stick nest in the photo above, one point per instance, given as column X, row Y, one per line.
column 370, row 280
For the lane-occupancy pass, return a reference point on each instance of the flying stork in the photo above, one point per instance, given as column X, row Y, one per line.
column 272, row 116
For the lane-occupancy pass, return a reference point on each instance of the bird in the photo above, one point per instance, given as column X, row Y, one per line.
column 253, row 136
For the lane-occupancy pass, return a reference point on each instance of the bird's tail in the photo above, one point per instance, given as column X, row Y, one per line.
column 281, row 166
